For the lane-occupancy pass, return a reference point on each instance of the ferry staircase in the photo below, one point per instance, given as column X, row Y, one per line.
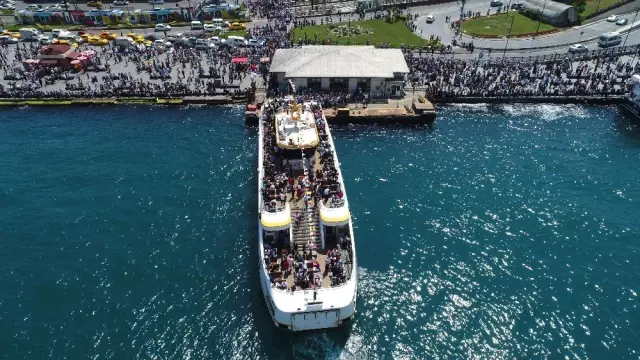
column 308, row 229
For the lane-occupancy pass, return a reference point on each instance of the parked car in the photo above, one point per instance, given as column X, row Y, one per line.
column 6, row 39
column 120, row 2
column 612, row 18
column 517, row 5
column 156, row 2
column 33, row 7
column 237, row 26
column 622, row 21
column 204, row 44
column 236, row 41
column 578, row 48
column 107, row 35
column 163, row 27
column 159, row 43
column 255, row 43
column 211, row 27
column 56, row 32
column 430, row 19
column 216, row 40
column 496, row 3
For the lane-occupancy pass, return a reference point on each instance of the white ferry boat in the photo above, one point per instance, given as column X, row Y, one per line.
column 307, row 255
column 632, row 103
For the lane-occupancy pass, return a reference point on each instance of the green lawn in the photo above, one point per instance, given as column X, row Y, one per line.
column 593, row 5
column 358, row 32
column 499, row 25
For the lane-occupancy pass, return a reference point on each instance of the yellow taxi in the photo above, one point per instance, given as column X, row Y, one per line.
column 60, row 42
column 237, row 26
column 12, row 34
column 85, row 37
column 94, row 3
column 108, row 36
column 96, row 41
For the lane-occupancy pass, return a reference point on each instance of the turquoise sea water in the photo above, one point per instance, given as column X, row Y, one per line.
column 503, row 232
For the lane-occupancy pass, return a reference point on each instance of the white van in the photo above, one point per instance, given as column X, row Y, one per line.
column 196, row 25
column 221, row 23
column 56, row 32
column 236, row 41
column 124, row 41
column 609, row 39
column 68, row 36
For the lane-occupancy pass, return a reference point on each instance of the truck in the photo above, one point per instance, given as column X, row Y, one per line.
column 30, row 34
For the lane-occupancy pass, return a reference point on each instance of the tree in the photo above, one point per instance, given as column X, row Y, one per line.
column 580, row 5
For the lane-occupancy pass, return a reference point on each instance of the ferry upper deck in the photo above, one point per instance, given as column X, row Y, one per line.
column 296, row 127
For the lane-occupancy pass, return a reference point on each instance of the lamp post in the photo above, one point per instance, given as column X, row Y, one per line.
column 630, row 28
column 544, row 6
column 531, row 46
column 508, row 36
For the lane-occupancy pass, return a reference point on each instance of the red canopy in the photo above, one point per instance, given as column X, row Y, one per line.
column 240, row 60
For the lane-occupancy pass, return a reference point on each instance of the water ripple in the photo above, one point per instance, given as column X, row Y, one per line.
column 505, row 231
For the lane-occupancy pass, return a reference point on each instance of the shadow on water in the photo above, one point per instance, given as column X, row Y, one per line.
column 628, row 126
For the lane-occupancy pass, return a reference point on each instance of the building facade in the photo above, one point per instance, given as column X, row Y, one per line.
column 378, row 73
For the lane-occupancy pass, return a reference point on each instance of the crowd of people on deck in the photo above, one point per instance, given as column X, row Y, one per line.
column 283, row 180
column 446, row 77
column 306, row 182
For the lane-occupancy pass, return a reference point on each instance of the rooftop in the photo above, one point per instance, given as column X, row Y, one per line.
column 339, row 61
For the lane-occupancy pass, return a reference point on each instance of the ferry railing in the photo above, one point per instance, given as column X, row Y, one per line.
column 271, row 209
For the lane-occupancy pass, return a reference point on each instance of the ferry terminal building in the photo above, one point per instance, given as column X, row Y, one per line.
column 380, row 73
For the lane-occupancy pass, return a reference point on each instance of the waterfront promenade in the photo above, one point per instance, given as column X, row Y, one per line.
column 157, row 72
column 150, row 73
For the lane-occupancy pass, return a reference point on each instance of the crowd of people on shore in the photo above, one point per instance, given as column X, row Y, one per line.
column 151, row 71
column 446, row 77
column 182, row 71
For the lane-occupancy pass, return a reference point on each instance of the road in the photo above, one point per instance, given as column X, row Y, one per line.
column 546, row 44
column 133, row 4
column 443, row 30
